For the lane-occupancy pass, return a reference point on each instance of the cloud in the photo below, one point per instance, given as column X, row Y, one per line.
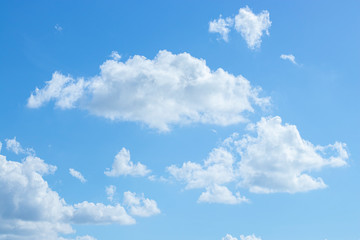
column 242, row 237
column 251, row 26
column 276, row 159
column 123, row 166
column 221, row 26
column 289, row 57
column 229, row 237
column 249, row 237
column 170, row 89
column 14, row 146
column 86, row 237
column 30, row 209
column 140, row 206
column 77, row 175
column 110, row 192
column 58, row 28
column 0, row 146
column 216, row 171
column 99, row 213
column 279, row 160
column 221, row 194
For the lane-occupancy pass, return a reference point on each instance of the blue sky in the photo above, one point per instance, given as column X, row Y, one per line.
column 130, row 134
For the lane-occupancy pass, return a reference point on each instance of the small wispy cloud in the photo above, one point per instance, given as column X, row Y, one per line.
column 14, row 146
column 110, row 192
column 58, row 28
column 251, row 26
column 77, row 175
column 289, row 57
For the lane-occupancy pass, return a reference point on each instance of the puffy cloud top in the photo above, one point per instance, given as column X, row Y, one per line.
column 170, row 89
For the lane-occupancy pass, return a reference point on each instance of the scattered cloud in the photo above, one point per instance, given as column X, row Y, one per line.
column 276, row 159
column 110, row 192
column 250, row 25
column 86, row 237
column 289, row 57
column 58, row 28
column 14, row 146
column 77, row 175
column 140, row 206
column 115, row 55
column 99, row 213
column 249, row 237
column 216, row 171
column 170, row 89
column 221, row 26
column 242, row 237
column 30, row 209
column 0, row 146
column 221, row 194
column 279, row 160
column 123, row 166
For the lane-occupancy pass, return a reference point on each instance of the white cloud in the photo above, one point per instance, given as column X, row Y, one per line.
column 0, row 146
column 123, row 166
column 110, row 192
column 289, row 57
column 58, row 28
column 221, row 194
column 242, row 237
column 251, row 26
column 216, row 171
column 99, row 213
column 77, row 175
column 221, row 26
column 86, row 237
column 170, row 89
column 14, row 146
column 140, row 206
column 277, row 159
column 30, row 209
column 115, row 55
column 249, row 237
column 229, row 237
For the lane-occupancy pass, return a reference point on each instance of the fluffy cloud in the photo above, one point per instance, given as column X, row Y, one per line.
column 123, row 166
column 251, row 26
column 276, row 159
column 279, row 160
column 77, row 175
column 98, row 213
column 221, row 26
column 229, row 237
column 14, row 146
column 216, row 171
column 86, row 237
column 30, row 209
column 110, row 192
column 288, row 57
column 242, row 237
column 140, row 206
column 170, row 89
column 249, row 237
